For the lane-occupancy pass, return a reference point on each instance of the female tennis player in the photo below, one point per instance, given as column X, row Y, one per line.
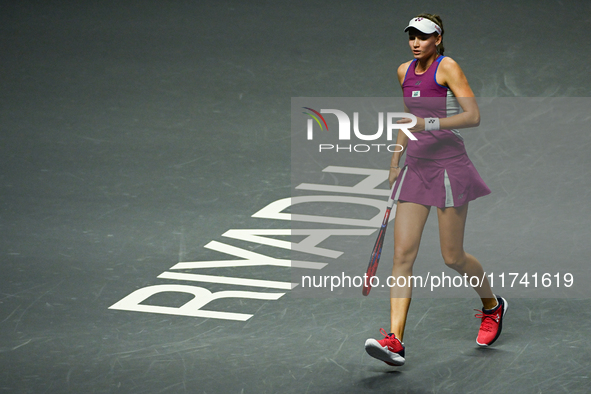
column 437, row 173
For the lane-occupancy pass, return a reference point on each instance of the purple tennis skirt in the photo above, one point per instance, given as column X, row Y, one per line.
column 440, row 183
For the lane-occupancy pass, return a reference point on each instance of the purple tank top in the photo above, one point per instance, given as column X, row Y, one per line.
column 425, row 98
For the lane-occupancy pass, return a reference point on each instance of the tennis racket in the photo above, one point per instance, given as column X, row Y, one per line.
column 377, row 249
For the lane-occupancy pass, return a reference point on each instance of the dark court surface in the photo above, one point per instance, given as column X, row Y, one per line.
column 134, row 134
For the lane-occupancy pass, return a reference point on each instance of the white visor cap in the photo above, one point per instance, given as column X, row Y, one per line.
column 424, row 25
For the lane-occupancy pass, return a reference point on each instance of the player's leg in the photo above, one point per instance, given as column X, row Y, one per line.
column 408, row 228
column 452, row 222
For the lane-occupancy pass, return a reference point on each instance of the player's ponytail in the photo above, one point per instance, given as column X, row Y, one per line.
column 437, row 20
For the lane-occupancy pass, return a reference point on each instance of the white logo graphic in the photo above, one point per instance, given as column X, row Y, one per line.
column 345, row 125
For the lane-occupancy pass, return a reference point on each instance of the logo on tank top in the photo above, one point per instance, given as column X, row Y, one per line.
column 416, row 93
column 418, row 83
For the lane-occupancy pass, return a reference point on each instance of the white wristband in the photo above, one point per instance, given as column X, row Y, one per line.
column 432, row 124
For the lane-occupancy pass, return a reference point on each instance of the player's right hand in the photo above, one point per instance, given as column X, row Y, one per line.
column 394, row 172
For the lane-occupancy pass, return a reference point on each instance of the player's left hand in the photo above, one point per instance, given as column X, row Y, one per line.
column 420, row 126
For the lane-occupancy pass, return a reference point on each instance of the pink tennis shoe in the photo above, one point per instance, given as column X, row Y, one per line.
column 389, row 350
column 492, row 323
